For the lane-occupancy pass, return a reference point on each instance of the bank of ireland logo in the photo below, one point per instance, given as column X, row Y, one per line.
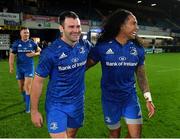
column 75, row 60
column 133, row 51
column 122, row 58
column 53, row 126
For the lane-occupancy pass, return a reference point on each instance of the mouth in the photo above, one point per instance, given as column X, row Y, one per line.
column 134, row 33
column 75, row 35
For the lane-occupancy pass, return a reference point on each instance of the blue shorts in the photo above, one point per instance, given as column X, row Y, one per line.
column 23, row 71
column 60, row 118
column 130, row 110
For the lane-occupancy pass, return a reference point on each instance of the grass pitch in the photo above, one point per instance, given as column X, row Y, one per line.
column 163, row 71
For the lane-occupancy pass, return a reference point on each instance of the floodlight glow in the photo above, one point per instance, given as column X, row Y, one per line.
column 155, row 36
column 153, row 4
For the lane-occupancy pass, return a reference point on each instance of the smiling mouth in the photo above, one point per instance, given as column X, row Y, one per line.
column 134, row 33
column 77, row 35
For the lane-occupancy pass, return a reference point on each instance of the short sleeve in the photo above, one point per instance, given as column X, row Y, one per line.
column 94, row 54
column 13, row 48
column 89, row 45
column 141, row 56
column 34, row 44
column 45, row 64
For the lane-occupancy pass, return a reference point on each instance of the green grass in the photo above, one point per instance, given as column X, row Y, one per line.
column 163, row 71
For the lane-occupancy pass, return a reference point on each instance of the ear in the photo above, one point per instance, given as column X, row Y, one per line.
column 61, row 28
column 20, row 33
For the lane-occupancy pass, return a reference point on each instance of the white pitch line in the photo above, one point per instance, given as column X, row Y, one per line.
column 167, row 70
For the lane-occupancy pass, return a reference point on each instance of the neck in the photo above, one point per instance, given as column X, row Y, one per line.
column 72, row 44
column 122, row 39
column 24, row 40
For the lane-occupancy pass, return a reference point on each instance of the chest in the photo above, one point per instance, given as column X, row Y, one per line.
column 129, row 54
column 71, row 58
column 25, row 47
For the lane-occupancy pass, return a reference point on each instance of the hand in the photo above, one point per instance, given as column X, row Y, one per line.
column 151, row 108
column 31, row 54
column 11, row 70
column 37, row 119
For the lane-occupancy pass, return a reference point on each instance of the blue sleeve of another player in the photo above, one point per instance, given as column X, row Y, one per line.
column 45, row 64
column 94, row 54
column 13, row 48
column 90, row 45
column 141, row 56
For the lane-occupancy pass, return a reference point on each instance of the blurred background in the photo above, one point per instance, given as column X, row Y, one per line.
column 158, row 20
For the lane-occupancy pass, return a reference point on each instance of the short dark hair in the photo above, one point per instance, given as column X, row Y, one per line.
column 67, row 14
column 22, row 28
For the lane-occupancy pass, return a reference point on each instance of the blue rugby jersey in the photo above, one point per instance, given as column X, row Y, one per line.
column 20, row 48
column 65, row 66
column 118, row 68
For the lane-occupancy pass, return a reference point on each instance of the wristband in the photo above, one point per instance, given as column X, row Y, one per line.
column 147, row 96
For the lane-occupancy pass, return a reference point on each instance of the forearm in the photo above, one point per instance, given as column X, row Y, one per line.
column 143, row 82
column 36, row 92
column 142, row 79
column 90, row 63
column 11, row 60
column 38, row 51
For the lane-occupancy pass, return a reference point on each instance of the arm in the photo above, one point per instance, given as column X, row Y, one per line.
column 32, row 54
column 144, row 86
column 36, row 90
column 90, row 63
column 38, row 51
column 11, row 62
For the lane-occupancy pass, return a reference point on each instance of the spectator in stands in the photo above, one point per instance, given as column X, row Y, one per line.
column 121, row 56
column 64, row 61
column 25, row 49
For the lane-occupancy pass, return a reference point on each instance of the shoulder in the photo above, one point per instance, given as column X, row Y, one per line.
column 137, row 45
column 86, row 43
column 104, row 44
column 139, row 48
column 32, row 42
column 16, row 42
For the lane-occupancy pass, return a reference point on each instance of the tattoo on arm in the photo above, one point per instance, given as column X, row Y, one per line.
column 142, row 79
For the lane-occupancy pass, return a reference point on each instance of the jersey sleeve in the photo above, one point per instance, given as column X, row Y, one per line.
column 94, row 54
column 13, row 48
column 45, row 64
column 34, row 45
column 89, row 45
column 141, row 56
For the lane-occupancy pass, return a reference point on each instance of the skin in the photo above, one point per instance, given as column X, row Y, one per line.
column 24, row 84
column 71, row 31
column 129, row 31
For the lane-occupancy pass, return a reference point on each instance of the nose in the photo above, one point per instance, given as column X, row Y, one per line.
column 76, row 29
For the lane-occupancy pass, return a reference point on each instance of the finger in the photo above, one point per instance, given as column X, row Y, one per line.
column 41, row 121
column 38, row 124
column 151, row 113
